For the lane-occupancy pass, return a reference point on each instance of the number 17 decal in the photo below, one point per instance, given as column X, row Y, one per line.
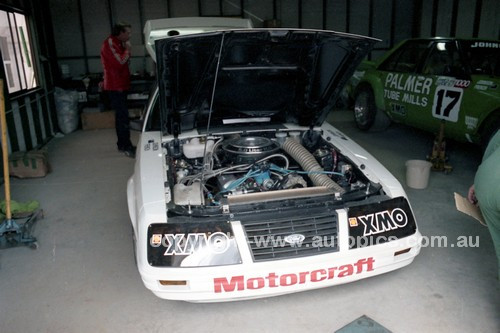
column 447, row 102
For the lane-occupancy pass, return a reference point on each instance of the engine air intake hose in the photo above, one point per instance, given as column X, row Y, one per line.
column 309, row 164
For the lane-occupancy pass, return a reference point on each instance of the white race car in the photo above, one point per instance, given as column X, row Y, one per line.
column 240, row 188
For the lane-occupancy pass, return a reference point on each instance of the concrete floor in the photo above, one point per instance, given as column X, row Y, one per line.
column 83, row 277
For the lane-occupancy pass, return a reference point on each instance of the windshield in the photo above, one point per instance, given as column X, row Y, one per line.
column 483, row 56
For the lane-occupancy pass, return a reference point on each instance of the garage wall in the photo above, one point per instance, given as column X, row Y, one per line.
column 461, row 18
column 69, row 34
column 81, row 25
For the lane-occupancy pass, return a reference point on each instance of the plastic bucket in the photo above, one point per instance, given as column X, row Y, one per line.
column 417, row 173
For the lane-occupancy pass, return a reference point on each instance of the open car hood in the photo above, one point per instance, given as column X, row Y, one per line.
column 252, row 77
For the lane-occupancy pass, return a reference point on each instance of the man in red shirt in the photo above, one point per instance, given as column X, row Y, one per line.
column 115, row 57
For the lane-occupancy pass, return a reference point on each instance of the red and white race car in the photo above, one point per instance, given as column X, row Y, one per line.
column 240, row 188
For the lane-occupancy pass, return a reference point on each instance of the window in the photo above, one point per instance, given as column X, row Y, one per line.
column 17, row 57
column 483, row 57
column 406, row 58
column 444, row 59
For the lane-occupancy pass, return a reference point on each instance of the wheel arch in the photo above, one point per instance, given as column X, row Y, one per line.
column 488, row 127
column 381, row 119
column 373, row 85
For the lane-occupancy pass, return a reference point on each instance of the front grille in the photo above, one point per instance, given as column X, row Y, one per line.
column 266, row 237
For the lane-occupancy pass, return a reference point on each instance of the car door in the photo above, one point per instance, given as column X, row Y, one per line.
column 405, row 91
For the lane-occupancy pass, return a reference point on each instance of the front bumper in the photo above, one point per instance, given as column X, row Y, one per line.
column 251, row 279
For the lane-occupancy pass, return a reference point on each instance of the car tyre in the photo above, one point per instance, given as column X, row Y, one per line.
column 366, row 114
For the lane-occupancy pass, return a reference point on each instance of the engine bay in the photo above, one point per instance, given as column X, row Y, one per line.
column 207, row 171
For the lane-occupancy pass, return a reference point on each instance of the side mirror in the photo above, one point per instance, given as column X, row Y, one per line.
column 136, row 124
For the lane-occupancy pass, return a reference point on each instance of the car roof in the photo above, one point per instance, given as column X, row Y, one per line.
column 437, row 38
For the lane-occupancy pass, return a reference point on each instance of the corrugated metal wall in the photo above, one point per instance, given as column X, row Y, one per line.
column 81, row 25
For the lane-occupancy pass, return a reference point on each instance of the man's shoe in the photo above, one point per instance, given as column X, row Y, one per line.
column 129, row 151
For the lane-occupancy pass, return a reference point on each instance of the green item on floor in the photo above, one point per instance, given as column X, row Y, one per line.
column 19, row 209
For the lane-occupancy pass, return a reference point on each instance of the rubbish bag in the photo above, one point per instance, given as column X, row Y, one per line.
column 67, row 109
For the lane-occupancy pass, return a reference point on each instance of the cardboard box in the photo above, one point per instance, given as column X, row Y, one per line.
column 98, row 120
column 30, row 164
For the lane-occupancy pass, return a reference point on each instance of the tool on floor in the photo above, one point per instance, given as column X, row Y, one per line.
column 12, row 232
column 438, row 156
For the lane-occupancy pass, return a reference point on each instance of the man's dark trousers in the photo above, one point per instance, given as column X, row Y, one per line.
column 118, row 100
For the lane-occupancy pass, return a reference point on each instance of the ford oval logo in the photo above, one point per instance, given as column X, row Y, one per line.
column 294, row 239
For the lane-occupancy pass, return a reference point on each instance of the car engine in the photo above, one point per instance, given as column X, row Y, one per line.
column 202, row 171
